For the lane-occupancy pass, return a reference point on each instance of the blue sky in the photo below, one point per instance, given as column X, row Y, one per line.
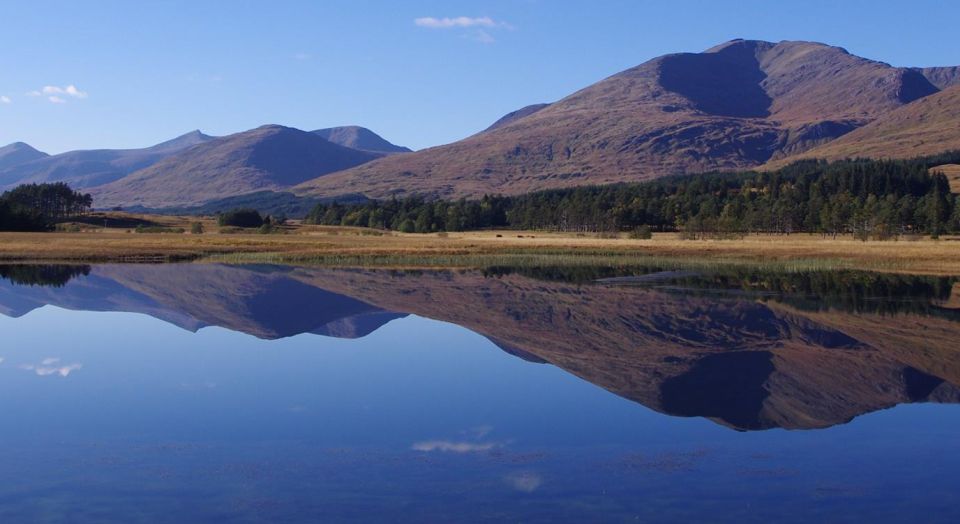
column 144, row 72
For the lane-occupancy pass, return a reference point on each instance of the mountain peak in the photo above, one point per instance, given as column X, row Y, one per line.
column 357, row 137
column 18, row 153
column 738, row 105
column 183, row 141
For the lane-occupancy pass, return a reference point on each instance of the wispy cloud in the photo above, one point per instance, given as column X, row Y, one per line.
column 525, row 481
column 476, row 28
column 52, row 366
column 303, row 56
column 450, row 446
column 459, row 21
column 5, row 100
column 59, row 95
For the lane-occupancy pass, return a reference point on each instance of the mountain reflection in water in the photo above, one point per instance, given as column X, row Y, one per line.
column 749, row 350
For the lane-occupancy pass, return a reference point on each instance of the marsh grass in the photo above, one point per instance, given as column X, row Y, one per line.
column 358, row 247
column 525, row 260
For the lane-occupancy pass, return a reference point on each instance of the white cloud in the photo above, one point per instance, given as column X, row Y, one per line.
column 50, row 366
column 71, row 91
column 302, row 56
column 476, row 28
column 59, row 95
column 449, row 446
column 459, row 21
column 5, row 100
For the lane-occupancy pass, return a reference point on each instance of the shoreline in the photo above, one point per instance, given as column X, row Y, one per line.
column 355, row 247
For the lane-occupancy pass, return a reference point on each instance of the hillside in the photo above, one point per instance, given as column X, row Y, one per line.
column 942, row 77
column 266, row 158
column 928, row 126
column 18, row 153
column 83, row 169
column 513, row 116
column 737, row 105
column 356, row 137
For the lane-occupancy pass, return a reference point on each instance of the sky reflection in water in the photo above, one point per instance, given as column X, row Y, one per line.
column 116, row 415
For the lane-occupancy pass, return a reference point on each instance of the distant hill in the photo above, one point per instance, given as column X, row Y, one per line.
column 516, row 115
column 942, row 77
column 927, row 126
column 266, row 158
column 356, row 137
column 738, row 105
column 83, row 169
column 18, row 153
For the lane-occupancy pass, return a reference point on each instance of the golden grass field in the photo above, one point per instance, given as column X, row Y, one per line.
column 361, row 247
column 952, row 171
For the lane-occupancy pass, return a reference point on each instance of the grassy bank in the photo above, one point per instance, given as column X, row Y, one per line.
column 338, row 246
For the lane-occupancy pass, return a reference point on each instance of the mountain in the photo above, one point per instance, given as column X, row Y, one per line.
column 266, row 158
column 942, row 77
column 516, row 115
column 738, row 105
column 927, row 126
column 83, row 169
column 18, row 153
column 356, row 137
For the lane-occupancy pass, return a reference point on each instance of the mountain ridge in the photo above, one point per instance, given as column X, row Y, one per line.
column 270, row 157
column 87, row 168
column 18, row 153
column 735, row 106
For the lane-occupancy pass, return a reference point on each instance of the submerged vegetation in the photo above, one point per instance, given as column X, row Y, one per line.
column 866, row 198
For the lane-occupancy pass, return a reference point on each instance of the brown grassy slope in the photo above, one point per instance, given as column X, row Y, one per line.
column 927, row 126
column 942, row 77
column 952, row 171
column 266, row 158
column 734, row 106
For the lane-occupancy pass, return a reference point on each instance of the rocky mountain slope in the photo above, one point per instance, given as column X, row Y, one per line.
column 738, row 105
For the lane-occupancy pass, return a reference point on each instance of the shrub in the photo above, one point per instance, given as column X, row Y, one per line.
column 407, row 226
column 240, row 218
column 196, row 228
column 641, row 233
column 159, row 229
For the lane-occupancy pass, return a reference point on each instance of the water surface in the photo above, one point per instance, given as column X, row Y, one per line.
column 178, row 393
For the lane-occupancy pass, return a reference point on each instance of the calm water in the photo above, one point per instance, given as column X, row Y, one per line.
column 184, row 393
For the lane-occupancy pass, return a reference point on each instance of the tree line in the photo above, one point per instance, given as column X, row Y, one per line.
column 866, row 198
column 36, row 207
